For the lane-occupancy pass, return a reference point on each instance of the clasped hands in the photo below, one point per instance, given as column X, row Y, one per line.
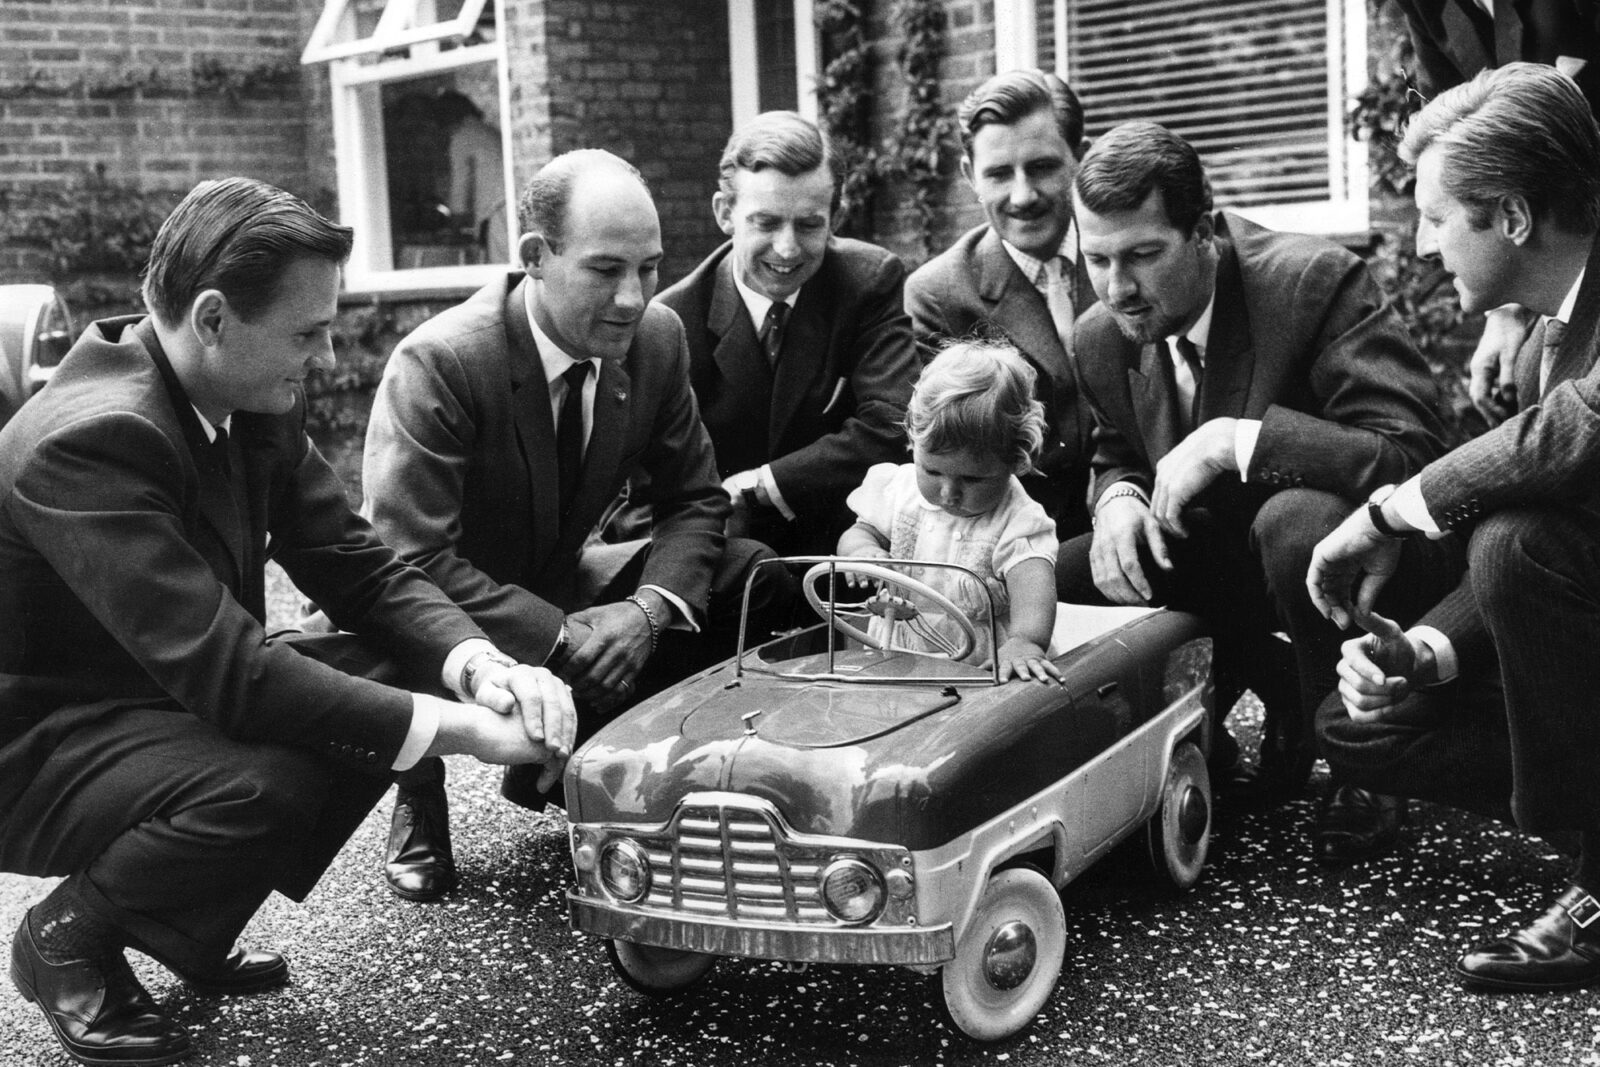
column 1126, row 524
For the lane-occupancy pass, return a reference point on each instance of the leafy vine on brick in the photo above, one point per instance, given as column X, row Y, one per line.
column 844, row 105
column 916, row 145
column 206, row 76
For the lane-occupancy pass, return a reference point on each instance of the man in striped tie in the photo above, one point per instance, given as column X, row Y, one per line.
column 1488, row 703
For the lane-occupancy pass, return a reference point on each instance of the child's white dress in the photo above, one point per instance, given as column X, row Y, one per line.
column 989, row 544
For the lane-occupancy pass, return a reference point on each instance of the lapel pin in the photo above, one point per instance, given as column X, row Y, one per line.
column 622, row 394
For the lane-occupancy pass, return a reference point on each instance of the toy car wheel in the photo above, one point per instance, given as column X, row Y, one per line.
column 1179, row 833
column 1009, row 957
column 657, row 971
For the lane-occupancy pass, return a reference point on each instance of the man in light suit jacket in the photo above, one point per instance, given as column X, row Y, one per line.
column 157, row 749
column 1488, row 703
column 797, row 409
column 1249, row 388
column 463, row 473
column 1019, row 277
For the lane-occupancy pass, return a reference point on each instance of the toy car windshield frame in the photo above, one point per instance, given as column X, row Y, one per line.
column 924, row 663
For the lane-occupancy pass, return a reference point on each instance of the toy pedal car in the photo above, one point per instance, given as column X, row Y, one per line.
column 818, row 798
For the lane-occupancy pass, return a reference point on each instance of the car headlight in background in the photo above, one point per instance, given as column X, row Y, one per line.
column 625, row 870
column 852, row 890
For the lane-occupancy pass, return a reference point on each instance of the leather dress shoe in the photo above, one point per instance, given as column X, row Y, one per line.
column 1356, row 824
column 421, row 865
column 97, row 1008
column 244, row 970
column 1558, row 950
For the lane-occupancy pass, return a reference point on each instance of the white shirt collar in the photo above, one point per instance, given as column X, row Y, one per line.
column 557, row 360
column 210, row 430
column 1570, row 305
column 1200, row 332
column 756, row 303
column 1029, row 265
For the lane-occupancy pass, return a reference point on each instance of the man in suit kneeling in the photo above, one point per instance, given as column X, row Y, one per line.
column 1249, row 387
column 156, row 748
column 502, row 433
column 1488, row 703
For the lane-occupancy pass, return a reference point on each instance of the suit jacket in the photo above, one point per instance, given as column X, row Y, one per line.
column 834, row 405
column 1455, row 39
column 975, row 289
column 1546, row 455
column 460, row 466
column 131, row 570
column 1302, row 340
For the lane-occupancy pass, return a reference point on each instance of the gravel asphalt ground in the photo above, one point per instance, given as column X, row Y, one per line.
column 1270, row 960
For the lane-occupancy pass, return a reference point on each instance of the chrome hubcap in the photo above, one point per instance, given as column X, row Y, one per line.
column 1010, row 955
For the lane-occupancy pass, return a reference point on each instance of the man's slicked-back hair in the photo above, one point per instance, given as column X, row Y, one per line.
column 1128, row 163
column 543, row 207
column 238, row 236
column 1008, row 98
column 786, row 141
column 1521, row 129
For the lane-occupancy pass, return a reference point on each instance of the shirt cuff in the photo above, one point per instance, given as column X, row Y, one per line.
column 769, row 485
column 1444, row 653
column 456, row 662
column 1245, row 434
column 424, row 728
column 684, row 619
column 1413, row 510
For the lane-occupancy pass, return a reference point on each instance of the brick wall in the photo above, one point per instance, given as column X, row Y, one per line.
column 111, row 87
column 649, row 81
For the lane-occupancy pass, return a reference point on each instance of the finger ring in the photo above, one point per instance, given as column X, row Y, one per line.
column 627, row 687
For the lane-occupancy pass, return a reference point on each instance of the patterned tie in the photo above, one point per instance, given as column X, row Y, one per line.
column 1554, row 331
column 1055, row 278
column 771, row 335
column 569, row 433
column 1191, row 359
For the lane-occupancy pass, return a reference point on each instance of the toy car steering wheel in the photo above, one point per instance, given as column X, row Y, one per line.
column 899, row 608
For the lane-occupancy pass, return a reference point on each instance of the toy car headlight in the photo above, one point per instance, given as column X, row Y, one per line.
column 852, row 890
column 624, row 870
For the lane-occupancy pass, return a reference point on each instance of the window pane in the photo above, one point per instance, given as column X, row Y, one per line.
column 447, row 197
column 1247, row 82
column 775, row 55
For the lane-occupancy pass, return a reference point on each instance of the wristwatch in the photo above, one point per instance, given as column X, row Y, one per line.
column 1375, row 515
column 469, row 673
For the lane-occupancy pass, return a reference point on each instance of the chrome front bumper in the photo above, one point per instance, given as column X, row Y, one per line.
column 767, row 941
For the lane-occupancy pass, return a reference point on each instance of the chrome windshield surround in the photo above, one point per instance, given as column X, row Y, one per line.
column 727, row 857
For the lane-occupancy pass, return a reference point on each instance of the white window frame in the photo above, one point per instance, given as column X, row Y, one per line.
column 363, row 179
column 745, row 80
column 1347, row 209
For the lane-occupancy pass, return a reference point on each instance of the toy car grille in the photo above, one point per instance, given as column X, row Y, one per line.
column 728, row 862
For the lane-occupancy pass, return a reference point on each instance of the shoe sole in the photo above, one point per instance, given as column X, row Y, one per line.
column 1503, row 985
column 25, row 987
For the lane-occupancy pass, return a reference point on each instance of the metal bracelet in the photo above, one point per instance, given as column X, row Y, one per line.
column 649, row 617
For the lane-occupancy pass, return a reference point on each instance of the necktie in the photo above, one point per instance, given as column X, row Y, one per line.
column 1554, row 331
column 569, row 433
column 772, row 330
column 218, row 450
column 1191, row 359
column 1055, row 278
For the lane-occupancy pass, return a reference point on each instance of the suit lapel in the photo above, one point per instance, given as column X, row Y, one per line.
column 218, row 505
column 1469, row 45
column 1230, row 351
column 1018, row 308
column 536, row 430
column 738, row 355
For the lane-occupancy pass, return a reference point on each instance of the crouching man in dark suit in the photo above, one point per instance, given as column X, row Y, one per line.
column 1488, row 704
column 504, row 429
column 1249, row 388
column 156, row 748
